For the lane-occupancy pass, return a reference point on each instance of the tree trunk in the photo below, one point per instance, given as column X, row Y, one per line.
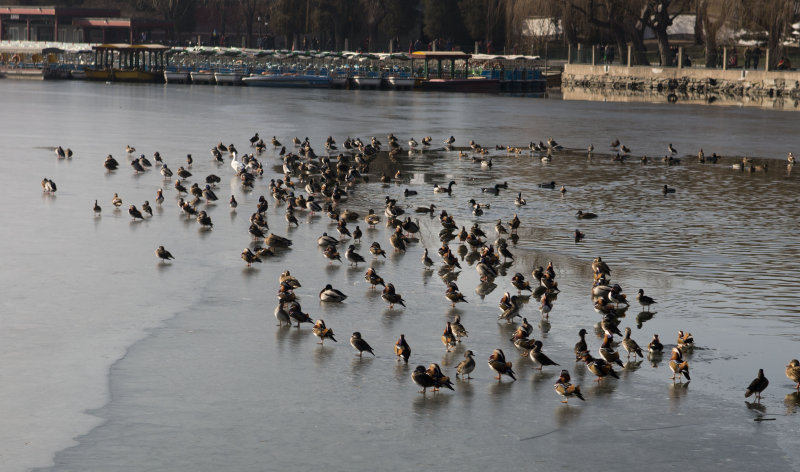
column 663, row 46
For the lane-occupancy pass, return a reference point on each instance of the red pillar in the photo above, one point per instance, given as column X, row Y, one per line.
column 1, row 28
column 27, row 29
column 130, row 34
column 55, row 29
column 104, row 35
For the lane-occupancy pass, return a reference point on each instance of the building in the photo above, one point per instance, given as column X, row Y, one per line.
column 76, row 25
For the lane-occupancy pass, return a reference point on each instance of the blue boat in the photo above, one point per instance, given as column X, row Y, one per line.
column 288, row 80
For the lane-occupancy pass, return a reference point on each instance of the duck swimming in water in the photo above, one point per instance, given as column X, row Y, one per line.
column 442, row 189
column 585, row 216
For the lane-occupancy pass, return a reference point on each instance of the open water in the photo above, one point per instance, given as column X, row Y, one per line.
column 112, row 361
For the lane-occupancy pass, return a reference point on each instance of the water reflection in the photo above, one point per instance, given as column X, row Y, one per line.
column 792, row 402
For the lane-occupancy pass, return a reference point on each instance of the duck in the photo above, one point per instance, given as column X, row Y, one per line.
column 578, row 235
column 655, row 346
column 249, row 257
column 426, row 260
column 486, row 271
column 581, row 348
column 146, row 208
column 401, row 349
column 519, row 201
column 163, row 254
column 376, row 250
column 135, row 213
column 421, row 377
column 465, row 367
column 330, row 294
column 352, row 256
column 166, row 172
column 585, row 216
column 607, row 351
column 548, row 185
column 110, row 163
column 644, row 300
column 129, row 149
column 497, row 362
column 631, row 346
column 539, row 357
column 514, row 223
column 678, row 366
column 297, row 315
column 204, row 220
column 179, row 187
column 331, row 254
column 564, row 388
column 453, row 295
column 758, row 385
column 96, row 208
column 426, row 209
column 448, row 190
column 671, row 149
column 372, row 219
column 159, row 196
column 793, row 372
column 322, row 332
column 599, row 367
column 435, row 372
column 391, row 297
column 326, row 240
column 209, row 194
column 449, row 141
column 48, row 186
column 545, row 305
column 448, row 338
column 512, row 310
column 458, row 329
column 273, row 240
column 519, row 282
column 360, row 344
column 183, row 173
column 372, row 277
column 282, row 315
column 685, row 340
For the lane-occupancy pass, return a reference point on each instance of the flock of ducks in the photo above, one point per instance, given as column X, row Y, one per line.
column 327, row 182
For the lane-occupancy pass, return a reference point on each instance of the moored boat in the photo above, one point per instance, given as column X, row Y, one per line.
column 288, row 80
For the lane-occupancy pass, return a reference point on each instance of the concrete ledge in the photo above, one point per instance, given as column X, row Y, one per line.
column 734, row 82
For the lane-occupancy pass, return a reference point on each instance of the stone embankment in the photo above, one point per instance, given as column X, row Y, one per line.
column 673, row 80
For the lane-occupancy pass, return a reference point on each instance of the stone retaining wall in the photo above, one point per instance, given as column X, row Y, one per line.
column 735, row 82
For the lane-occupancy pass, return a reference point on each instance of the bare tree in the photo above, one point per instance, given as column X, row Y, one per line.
column 713, row 16
column 774, row 17
column 176, row 11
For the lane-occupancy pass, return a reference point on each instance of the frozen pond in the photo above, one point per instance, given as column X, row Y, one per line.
column 113, row 361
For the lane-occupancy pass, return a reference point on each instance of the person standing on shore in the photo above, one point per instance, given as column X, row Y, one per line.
column 756, row 56
column 748, row 56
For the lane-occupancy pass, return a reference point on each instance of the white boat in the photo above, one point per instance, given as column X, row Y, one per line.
column 202, row 77
column 228, row 78
column 366, row 82
column 175, row 76
column 78, row 74
column 401, row 83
